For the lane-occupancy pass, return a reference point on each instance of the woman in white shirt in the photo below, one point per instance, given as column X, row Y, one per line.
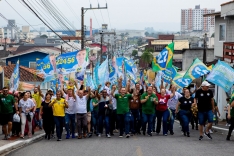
column 27, row 109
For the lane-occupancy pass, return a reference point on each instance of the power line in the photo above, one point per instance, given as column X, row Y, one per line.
column 74, row 13
column 47, row 24
column 108, row 16
column 101, row 13
column 94, row 15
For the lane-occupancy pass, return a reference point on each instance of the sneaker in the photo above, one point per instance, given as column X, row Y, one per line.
column 211, row 132
column 8, row 136
column 229, row 125
column 68, row 136
column 108, row 136
column 149, row 134
column 89, row 135
column 228, row 138
column 128, row 136
column 208, row 135
column 59, row 140
column 184, row 133
column 22, row 136
column 165, row 134
column 121, row 136
column 52, row 136
column 5, row 137
column 201, row 137
column 116, row 131
column 172, row 133
column 226, row 124
column 99, row 135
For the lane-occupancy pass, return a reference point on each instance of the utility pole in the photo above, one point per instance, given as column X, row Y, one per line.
column 204, row 50
column 83, row 10
column 104, row 33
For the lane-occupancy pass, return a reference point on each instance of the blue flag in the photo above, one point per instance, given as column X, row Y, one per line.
column 129, row 72
column 14, row 80
column 89, row 82
column 112, row 75
column 39, row 67
column 180, row 81
column 103, row 74
column 121, row 69
column 169, row 74
column 49, row 65
column 67, row 63
column 222, row 75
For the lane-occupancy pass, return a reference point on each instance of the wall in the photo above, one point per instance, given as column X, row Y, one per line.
column 190, row 54
column 218, row 46
column 25, row 59
column 230, row 30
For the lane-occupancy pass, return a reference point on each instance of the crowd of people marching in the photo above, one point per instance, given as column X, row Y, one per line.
column 138, row 110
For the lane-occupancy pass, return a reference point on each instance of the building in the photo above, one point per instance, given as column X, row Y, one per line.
column 27, row 55
column 28, row 78
column 2, row 33
column 193, row 19
column 188, row 56
column 223, row 45
column 131, row 33
column 25, row 29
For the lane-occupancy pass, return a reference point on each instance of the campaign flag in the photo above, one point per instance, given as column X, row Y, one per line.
column 82, row 59
column 112, row 75
column 103, row 74
column 132, row 64
column 180, row 81
column 168, row 74
column 129, row 72
column 121, row 69
column 158, row 79
column 222, row 75
column 196, row 70
column 89, row 82
column 49, row 65
column 164, row 59
column 95, row 76
column 67, row 63
column 141, row 77
column 14, row 80
column 39, row 67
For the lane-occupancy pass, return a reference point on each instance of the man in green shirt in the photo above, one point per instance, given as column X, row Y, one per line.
column 148, row 101
column 7, row 102
column 123, row 113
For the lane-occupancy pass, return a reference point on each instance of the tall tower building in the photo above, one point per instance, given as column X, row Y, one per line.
column 193, row 20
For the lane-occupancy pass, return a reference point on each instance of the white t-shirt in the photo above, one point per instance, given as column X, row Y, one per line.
column 71, row 104
column 81, row 106
column 107, row 90
column 28, row 104
column 174, row 100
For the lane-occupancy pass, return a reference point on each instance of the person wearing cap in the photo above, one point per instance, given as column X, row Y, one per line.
column 205, row 104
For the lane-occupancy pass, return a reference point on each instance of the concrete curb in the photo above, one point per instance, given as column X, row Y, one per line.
column 6, row 149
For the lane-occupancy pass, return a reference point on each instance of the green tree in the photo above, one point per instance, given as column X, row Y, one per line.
column 139, row 41
column 134, row 53
column 146, row 34
column 43, row 36
column 147, row 57
column 150, row 50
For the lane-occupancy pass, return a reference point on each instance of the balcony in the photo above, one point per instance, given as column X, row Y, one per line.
column 228, row 51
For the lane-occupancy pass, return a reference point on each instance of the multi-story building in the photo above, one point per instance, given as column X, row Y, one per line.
column 193, row 20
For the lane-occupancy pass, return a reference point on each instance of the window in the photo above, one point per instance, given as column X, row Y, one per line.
column 33, row 65
column 222, row 32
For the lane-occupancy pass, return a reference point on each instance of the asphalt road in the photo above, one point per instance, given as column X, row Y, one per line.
column 176, row 145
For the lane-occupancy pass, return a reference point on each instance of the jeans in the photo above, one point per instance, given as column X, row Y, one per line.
column 154, row 122
column 172, row 119
column 70, row 118
column 107, row 123
column 124, row 120
column 165, row 115
column 59, row 120
column 95, row 120
column 38, row 121
column 23, row 123
column 147, row 118
column 203, row 116
column 113, row 121
column 185, row 116
column 135, row 124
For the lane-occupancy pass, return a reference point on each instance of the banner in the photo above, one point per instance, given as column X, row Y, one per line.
column 95, row 76
column 164, row 59
column 120, row 70
column 82, row 63
column 222, row 75
column 103, row 74
column 67, row 63
column 14, row 80
column 49, row 65
column 39, row 67
column 132, row 64
column 89, row 82
column 180, row 81
column 158, row 79
column 196, row 70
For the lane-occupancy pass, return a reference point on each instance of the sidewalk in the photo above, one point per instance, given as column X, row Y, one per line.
column 16, row 142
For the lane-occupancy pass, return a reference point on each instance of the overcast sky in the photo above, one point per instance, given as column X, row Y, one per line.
column 124, row 14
